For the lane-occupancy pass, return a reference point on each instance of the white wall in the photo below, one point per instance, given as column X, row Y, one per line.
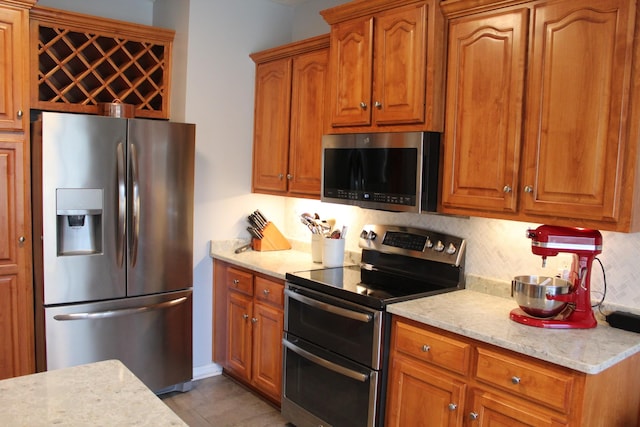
column 138, row 11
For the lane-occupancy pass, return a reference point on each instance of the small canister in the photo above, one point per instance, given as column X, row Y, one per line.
column 117, row 109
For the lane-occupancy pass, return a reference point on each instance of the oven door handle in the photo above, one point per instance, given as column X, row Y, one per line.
column 355, row 315
column 358, row 376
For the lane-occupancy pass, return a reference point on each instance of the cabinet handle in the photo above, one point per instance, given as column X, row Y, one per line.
column 20, row 114
column 528, row 189
column 289, row 176
column 378, row 105
column 266, row 292
column 235, row 282
column 363, row 105
column 515, row 380
column 426, row 348
column 506, row 189
column 254, row 320
column 473, row 416
column 245, row 316
column 453, row 406
column 280, row 176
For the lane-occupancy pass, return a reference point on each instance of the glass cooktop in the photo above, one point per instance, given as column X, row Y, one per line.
column 372, row 288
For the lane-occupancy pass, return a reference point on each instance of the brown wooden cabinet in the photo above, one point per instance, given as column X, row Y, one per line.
column 288, row 122
column 17, row 355
column 442, row 379
column 541, row 124
column 248, row 327
column 386, row 66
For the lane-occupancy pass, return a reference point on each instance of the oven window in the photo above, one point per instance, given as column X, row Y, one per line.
column 354, row 337
column 336, row 398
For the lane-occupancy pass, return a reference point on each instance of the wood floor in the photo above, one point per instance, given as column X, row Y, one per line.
column 221, row 402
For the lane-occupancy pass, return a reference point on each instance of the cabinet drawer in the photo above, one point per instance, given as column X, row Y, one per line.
column 433, row 348
column 270, row 292
column 240, row 281
column 525, row 378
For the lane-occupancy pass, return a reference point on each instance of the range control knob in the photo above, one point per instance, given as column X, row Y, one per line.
column 363, row 234
column 429, row 243
column 439, row 247
column 451, row 249
column 372, row 235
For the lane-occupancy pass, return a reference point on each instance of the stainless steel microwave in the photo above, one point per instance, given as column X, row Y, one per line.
column 395, row 171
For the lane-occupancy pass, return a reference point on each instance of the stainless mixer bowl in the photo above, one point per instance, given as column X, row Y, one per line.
column 530, row 292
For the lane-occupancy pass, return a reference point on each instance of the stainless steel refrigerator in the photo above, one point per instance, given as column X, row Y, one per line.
column 113, row 242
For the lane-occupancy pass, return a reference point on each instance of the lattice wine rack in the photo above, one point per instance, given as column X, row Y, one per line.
column 80, row 61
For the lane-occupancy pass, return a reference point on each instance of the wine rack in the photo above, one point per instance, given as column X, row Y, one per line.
column 80, row 61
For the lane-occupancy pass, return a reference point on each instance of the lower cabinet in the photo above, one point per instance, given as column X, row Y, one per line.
column 442, row 379
column 248, row 325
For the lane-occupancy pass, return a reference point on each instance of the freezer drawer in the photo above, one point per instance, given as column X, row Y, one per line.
column 151, row 335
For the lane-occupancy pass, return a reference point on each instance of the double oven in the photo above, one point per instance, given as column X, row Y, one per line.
column 337, row 329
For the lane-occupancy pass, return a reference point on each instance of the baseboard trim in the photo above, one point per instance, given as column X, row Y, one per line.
column 210, row 370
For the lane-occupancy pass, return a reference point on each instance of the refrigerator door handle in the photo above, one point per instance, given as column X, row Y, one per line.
column 135, row 211
column 119, row 312
column 122, row 206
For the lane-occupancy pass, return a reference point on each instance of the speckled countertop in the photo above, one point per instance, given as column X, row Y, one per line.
column 97, row 394
column 473, row 314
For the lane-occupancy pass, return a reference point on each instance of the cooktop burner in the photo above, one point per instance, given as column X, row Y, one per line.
column 398, row 263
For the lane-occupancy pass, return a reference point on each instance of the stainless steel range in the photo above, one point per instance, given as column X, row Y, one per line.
column 336, row 339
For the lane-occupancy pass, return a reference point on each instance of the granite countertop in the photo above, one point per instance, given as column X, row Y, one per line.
column 473, row 314
column 101, row 393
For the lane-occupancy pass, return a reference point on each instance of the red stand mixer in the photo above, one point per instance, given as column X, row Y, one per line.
column 585, row 244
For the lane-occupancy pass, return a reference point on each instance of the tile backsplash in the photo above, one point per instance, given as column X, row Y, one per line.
column 497, row 250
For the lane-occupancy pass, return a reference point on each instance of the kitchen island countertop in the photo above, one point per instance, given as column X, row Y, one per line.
column 97, row 394
column 486, row 318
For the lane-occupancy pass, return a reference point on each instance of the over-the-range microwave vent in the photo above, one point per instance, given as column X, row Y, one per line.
column 395, row 171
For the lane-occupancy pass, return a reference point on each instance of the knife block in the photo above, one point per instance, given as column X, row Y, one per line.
column 272, row 240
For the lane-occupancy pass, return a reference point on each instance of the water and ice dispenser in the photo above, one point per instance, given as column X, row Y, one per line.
column 79, row 221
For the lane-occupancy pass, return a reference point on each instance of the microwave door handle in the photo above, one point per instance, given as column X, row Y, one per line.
column 358, row 376
column 355, row 315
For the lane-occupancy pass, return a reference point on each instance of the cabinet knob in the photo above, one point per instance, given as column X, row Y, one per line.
column 20, row 114
column 289, row 176
column 236, row 281
column 528, row 189
column 266, row 292
column 426, row 348
column 378, row 105
column 245, row 316
column 515, row 380
column 453, row 406
column 363, row 105
column 506, row 189
column 473, row 416
column 280, row 176
column 21, row 239
column 254, row 320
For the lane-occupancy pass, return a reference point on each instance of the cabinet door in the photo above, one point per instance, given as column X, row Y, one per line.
column 268, row 324
column 307, row 110
column 487, row 60
column 580, row 68
column 486, row 409
column 351, row 67
column 16, row 294
column 239, row 314
column 400, row 66
column 420, row 396
column 271, row 127
column 13, row 68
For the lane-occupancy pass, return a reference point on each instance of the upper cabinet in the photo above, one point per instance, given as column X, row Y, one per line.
column 541, row 123
column 386, row 66
column 288, row 118
column 14, row 39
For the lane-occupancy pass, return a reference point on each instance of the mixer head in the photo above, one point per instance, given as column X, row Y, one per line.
column 550, row 240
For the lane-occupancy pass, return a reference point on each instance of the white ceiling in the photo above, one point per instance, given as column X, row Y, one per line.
column 290, row 2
